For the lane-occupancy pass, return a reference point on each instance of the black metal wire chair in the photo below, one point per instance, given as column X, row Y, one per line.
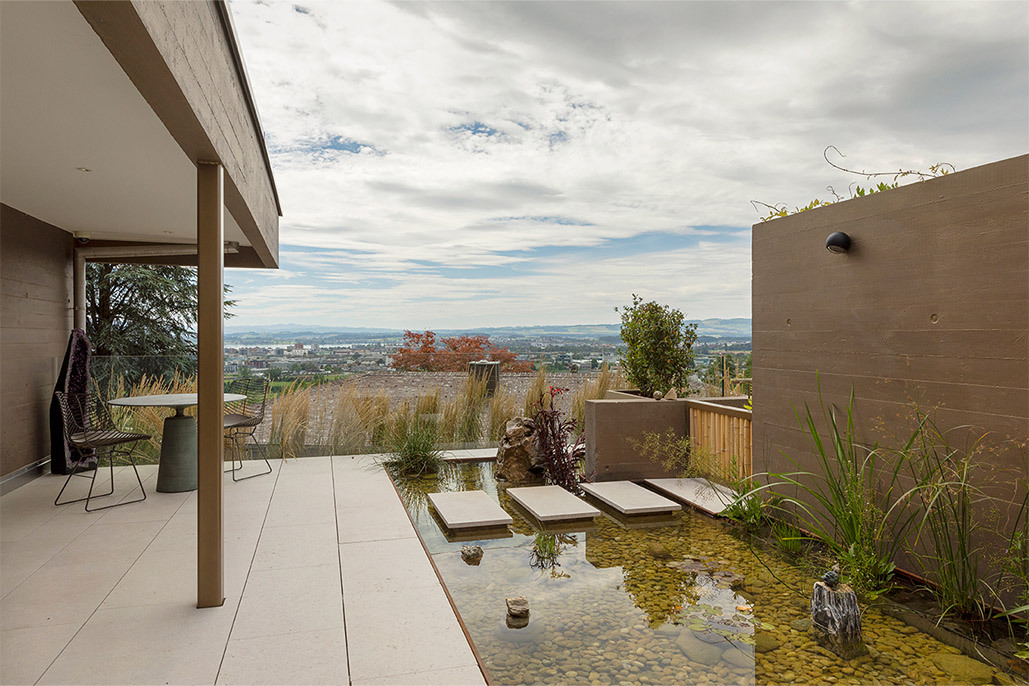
column 242, row 417
column 89, row 427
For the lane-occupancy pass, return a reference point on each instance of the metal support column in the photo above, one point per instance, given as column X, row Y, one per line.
column 210, row 388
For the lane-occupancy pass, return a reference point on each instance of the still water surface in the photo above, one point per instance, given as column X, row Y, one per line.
column 678, row 601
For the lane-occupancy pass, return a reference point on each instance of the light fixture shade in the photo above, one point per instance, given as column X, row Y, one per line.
column 838, row 242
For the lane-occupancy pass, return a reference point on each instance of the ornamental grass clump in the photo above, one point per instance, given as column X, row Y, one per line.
column 503, row 407
column 949, row 547
column 659, row 347
column 594, row 389
column 414, row 447
column 291, row 414
column 853, row 503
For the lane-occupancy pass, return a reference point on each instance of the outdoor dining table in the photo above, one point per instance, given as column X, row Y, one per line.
column 177, row 470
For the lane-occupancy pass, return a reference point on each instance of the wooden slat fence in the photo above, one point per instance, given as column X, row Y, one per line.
column 721, row 430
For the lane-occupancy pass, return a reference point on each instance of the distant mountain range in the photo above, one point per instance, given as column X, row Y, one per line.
column 719, row 328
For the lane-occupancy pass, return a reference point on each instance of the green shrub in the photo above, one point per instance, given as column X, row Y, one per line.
column 659, row 347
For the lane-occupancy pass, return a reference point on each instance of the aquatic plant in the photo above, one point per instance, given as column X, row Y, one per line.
column 853, row 503
column 546, row 549
column 948, row 547
column 1015, row 574
column 659, row 347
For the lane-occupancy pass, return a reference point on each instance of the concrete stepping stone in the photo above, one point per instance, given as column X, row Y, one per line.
column 472, row 455
column 552, row 503
column 700, row 493
column 462, row 510
column 629, row 498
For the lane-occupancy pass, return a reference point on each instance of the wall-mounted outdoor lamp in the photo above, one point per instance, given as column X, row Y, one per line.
column 838, row 242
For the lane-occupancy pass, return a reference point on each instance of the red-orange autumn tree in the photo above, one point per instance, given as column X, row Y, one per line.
column 420, row 351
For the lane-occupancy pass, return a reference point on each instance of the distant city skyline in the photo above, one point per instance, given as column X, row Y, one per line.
column 474, row 164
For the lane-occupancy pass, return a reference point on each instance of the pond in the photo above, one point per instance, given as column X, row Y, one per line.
column 682, row 600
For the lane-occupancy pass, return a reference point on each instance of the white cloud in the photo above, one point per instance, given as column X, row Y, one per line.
column 423, row 134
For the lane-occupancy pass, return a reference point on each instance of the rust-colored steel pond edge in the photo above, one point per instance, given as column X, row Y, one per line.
column 450, row 599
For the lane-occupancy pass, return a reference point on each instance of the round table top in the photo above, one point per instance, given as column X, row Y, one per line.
column 176, row 400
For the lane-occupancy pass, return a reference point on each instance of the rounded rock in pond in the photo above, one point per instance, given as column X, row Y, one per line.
column 963, row 669
column 471, row 554
column 698, row 651
column 738, row 658
column 659, row 551
column 765, row 643
column 518, row 606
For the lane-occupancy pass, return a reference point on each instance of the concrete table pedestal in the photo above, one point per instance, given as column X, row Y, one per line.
column 177, row 471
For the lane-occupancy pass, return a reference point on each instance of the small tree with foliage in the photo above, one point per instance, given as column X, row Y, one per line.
column 659, row 347
column 420, row 351
column 142, row 311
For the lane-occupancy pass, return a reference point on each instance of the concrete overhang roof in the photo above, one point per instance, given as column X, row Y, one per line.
column 113, row 88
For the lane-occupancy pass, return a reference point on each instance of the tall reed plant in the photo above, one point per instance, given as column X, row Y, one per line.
column 854, row 502
column 948, row 548
column 503, row 407
column 291, row 412
column 148, row 420
column 537, row 389
column 594, row 389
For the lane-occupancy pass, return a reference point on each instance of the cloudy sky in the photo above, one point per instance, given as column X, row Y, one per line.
column 462, row 164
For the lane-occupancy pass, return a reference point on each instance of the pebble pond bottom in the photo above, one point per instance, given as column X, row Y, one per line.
column 680, row 602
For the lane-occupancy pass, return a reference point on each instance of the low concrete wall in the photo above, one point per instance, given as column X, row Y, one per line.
column 610, row 423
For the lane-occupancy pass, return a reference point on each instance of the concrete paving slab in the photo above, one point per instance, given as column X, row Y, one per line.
column 552, row 503
column 476, row 455
column 702, row 494
column 629, row 498
column 469, row 510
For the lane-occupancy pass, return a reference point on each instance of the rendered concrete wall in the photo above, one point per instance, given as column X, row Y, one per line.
column 611, row 423
column 35, row 320
column 931, row 305
column 181, row 59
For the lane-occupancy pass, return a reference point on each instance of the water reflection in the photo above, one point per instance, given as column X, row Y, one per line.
column 685, row 602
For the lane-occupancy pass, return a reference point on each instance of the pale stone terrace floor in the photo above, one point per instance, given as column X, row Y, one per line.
column 326, row 582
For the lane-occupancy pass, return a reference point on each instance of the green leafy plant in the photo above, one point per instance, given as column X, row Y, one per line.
column 788, row 538
column 853, row 502
column 747, row 508
column 659, row 347
column 856, row 191
column 668, row 449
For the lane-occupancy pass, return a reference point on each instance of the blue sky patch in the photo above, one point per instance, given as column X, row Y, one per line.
column 564, row 221
column 476, row 128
